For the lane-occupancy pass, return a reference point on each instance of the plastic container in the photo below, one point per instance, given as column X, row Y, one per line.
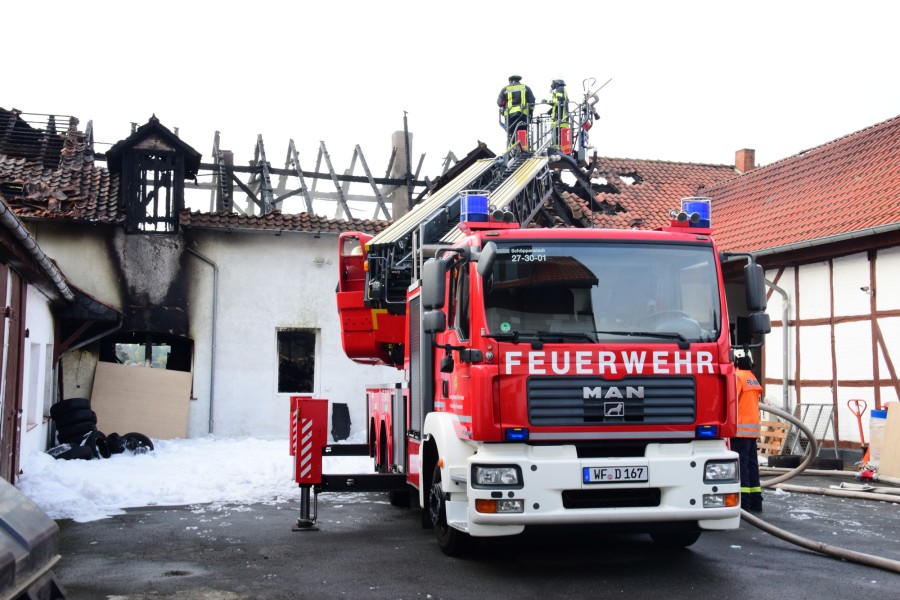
column 877, row 425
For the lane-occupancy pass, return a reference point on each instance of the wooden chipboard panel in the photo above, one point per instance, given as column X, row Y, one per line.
column 889, row 463
column 154, row 402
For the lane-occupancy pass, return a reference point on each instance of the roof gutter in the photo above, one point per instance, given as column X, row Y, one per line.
column 831, row 239
column 12, row 222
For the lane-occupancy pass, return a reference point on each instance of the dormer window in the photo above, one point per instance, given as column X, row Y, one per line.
column 151, row 199
column 153, row 164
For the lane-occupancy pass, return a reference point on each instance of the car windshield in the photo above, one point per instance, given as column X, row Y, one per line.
column 590, row 291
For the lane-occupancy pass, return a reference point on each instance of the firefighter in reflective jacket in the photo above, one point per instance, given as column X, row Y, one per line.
column 748, row 392
column 516, row 100
column 559, row 111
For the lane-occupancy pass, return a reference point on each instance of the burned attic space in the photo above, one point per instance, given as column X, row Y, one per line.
column 591, row 193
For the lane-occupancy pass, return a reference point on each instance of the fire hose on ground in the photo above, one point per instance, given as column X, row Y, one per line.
column 822, row 548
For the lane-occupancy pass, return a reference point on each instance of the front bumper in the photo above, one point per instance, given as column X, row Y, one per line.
column 553, row 490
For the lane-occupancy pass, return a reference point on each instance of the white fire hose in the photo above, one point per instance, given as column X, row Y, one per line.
column 842, row 553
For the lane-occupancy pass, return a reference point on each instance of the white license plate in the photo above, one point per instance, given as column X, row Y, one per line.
column 615, row 474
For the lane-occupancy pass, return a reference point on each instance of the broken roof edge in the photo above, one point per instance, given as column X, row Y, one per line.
column 233, row 222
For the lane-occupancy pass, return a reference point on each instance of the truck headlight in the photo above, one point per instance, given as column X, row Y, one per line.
column 496, row 476
column 721, row 471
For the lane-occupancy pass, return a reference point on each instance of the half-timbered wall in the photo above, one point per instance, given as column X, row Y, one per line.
column 843, row 336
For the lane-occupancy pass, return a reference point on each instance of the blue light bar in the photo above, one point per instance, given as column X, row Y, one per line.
column 516, row 434
column 474, row 206
column 707, row 431
column 702, row 207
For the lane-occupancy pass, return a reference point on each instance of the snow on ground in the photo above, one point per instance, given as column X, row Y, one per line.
column 177, row 472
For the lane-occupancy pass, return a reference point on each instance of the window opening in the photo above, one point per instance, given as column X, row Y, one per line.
column 296, row 361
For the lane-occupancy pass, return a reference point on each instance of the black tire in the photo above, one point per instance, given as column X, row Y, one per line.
column 66, row 406
column 400, row 498
column 83, row 415
column 116, row 443
column 73, row 434
column 102, row 445
column 82, row 452
column 452, row 542
column 136, row 441
column 675, row 539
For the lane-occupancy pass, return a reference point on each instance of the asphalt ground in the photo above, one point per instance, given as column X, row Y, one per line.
column 365, row 548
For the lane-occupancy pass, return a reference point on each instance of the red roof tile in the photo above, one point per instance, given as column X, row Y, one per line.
column 847, row 185
column 277, row 221
column 640, row 193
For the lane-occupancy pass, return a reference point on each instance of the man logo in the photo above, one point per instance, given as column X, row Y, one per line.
column 612, row 392
column 613, row 409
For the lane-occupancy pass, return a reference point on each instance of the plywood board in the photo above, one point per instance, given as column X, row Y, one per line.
column 889, row 463
column 154, row 402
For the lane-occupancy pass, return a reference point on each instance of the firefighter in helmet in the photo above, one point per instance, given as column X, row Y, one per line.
column 748, row 391
column 559, row 110
column 516, row 101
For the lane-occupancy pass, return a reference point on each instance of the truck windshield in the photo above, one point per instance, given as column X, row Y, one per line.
column 590, row 291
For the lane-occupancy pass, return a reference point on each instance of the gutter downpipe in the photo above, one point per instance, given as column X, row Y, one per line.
column 212, row 357
column 785, row 358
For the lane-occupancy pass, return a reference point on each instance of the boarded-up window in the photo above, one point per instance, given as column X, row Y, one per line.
column 296, row 360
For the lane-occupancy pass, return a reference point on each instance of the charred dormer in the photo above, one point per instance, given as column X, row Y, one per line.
column 153, row 164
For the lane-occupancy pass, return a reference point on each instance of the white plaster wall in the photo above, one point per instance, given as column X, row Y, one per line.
column 850, row 274
column 853, row 349
column 83, row 255
column 890, row 332
column 815, row 300
column 887, row 267
column 267, row 283
column 815, row 353
column 37, row 372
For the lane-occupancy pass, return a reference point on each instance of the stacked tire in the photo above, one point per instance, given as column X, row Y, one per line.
column 74, row 419
column 78, row 437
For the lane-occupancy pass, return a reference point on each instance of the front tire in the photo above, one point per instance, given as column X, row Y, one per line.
column 675, row 539
column 452, row 542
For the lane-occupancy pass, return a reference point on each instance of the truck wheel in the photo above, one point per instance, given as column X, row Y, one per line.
column 452, row 542
column 675, row 539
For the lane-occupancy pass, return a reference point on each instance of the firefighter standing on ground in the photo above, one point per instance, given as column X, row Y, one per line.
column 748, row 392
column 559, row 110
column 517, row 101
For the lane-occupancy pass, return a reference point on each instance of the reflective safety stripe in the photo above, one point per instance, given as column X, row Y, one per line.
column 755, row 490
column 749, row 430
column 559, row 110
column 513, row 93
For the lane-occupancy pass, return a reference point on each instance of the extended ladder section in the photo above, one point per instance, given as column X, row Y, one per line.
column 518, row 185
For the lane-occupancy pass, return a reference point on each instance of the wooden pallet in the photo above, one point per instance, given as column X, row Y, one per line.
column 771, row 438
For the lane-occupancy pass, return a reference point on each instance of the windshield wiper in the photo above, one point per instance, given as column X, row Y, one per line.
column 683, row 342
column 536, row 337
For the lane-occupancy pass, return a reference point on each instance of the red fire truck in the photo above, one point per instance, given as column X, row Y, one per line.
column 551, row 375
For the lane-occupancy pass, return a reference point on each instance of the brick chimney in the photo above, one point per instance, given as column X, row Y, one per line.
column 745, row 160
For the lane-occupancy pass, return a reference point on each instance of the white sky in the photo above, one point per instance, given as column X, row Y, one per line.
column 692, row 80
column 176, row 473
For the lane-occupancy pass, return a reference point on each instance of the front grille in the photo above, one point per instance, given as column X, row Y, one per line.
column 619, row 498
column 556, row 401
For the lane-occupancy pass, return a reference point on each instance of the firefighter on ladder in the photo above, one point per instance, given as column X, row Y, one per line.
column 516, row 101
column 748, row 391
column 559, row 116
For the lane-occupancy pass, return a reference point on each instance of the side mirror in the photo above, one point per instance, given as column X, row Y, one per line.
column 434, row 283
column 755, row 282
column 486, row 258
column 434, row 321
column 759, row 323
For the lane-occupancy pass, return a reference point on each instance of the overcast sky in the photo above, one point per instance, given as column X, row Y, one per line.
column 692, row 80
